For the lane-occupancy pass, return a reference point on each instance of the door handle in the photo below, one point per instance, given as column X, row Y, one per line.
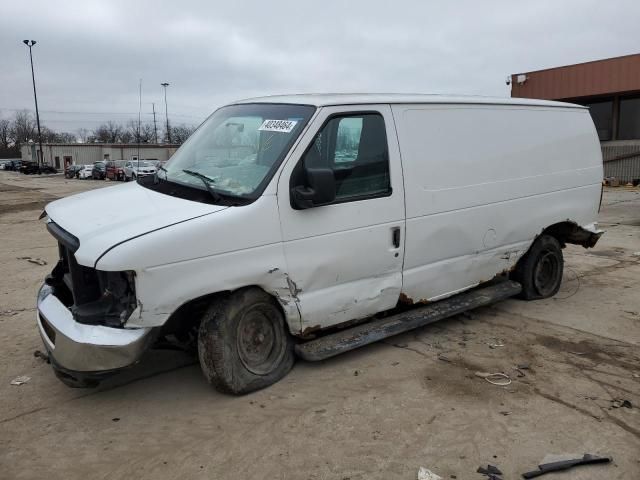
column 395, row 237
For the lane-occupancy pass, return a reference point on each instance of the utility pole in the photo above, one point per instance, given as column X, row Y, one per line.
column 31, row 43
column 155, row 127
column 139, row 116
column 166, row 111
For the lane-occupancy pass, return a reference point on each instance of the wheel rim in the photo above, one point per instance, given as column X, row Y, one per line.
column 259, row 341
column 546, row 273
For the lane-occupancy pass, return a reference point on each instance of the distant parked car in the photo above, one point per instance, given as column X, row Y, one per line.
column 72, row 171
column 99, row 171
column 29, row 168
column 134, row 169
column 32, row 168
column 3, row 163
column 13, row 165
column 86, row 172
column 115, row 170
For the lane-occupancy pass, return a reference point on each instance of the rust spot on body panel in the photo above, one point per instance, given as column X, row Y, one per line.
column 309, row 331
column 403, row 299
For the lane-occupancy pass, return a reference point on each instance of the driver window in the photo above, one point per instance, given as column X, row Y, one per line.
column 355, row 148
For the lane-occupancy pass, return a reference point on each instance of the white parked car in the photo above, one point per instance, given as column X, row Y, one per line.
column 86, row 172
column 135, row 169
column 283, row 217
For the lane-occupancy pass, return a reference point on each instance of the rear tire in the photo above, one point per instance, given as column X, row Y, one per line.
column 243, row 343
column 540, row 270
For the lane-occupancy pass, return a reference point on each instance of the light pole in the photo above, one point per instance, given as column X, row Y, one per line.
column 166, row 111
column 31, row 43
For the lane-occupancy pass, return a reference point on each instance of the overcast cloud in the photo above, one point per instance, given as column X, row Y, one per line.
column 91, row 54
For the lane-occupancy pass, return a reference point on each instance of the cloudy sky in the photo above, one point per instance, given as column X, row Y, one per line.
column 91, row 55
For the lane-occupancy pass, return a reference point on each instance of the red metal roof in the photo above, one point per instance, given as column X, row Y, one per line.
column 597, row 78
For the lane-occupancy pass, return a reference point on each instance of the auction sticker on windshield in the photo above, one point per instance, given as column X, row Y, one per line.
column 284, row 126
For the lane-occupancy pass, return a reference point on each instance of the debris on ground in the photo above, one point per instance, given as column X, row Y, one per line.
column 20, row 380
column 519, row 373
column 496, row 344
column 444, row 358
column 426, row 474
column 587, row 459
column 37, row 261
column 43, row 356
column 616, row 403
column 500, row 379
column 492, row 472
column 523, row 366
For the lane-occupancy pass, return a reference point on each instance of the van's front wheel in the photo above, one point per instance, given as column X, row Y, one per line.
column 243, row 344
column 540, row 270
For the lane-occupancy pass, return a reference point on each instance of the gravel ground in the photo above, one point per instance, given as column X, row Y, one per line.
column 377, row 413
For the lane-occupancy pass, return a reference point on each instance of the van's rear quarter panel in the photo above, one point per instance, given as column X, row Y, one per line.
column 482, row 181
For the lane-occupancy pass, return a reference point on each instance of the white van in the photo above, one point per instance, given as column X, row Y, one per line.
column 282, row 218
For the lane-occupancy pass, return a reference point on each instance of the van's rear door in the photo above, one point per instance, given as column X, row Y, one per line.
column 345, row 259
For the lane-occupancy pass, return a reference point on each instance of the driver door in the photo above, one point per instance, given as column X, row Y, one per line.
column 345, row 259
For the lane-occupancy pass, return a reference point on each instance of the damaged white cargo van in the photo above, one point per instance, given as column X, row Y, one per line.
column 287, row 225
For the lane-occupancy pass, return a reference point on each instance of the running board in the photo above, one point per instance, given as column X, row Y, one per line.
column 376, row 330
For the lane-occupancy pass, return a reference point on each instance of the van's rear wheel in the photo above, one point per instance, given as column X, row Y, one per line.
column 243, row 344
column 540, row 270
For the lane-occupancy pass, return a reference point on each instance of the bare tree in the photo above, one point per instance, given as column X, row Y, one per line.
column 23, row 128
column 180, row 133
column 48, row 135
column 66, row 137
column 5, row 134
column 83, row 135
column 126, row 137
column 108, row 132
column 142, row 133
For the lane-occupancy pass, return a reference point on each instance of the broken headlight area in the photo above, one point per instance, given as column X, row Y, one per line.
column 115, row 304
column 94, row 297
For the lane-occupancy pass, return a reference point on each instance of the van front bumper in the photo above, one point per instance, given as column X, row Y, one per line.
column 86, row 349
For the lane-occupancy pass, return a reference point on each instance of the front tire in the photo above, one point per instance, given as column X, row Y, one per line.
column 540, row 270
column 243, row 343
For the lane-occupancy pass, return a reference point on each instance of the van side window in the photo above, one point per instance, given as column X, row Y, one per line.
column 355, row 148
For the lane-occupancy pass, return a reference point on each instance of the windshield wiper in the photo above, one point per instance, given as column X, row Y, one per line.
column 207, row 183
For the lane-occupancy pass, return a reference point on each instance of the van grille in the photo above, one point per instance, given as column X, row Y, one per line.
column 73, row 284
column 94, row 297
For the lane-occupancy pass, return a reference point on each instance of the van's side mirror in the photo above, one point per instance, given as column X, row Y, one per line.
column 321, row 190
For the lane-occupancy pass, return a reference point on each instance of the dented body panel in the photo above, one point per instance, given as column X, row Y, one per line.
column 342, row 256
column 185, row 261
column 475, row 206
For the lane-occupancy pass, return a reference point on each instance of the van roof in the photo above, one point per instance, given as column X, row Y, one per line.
column 329, row 99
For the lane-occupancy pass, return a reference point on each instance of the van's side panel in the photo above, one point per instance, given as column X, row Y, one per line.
column 482, row 181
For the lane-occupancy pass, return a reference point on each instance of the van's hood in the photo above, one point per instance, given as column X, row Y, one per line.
column 102, row 218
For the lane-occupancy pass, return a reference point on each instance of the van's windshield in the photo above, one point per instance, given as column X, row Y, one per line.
column 236, row 150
